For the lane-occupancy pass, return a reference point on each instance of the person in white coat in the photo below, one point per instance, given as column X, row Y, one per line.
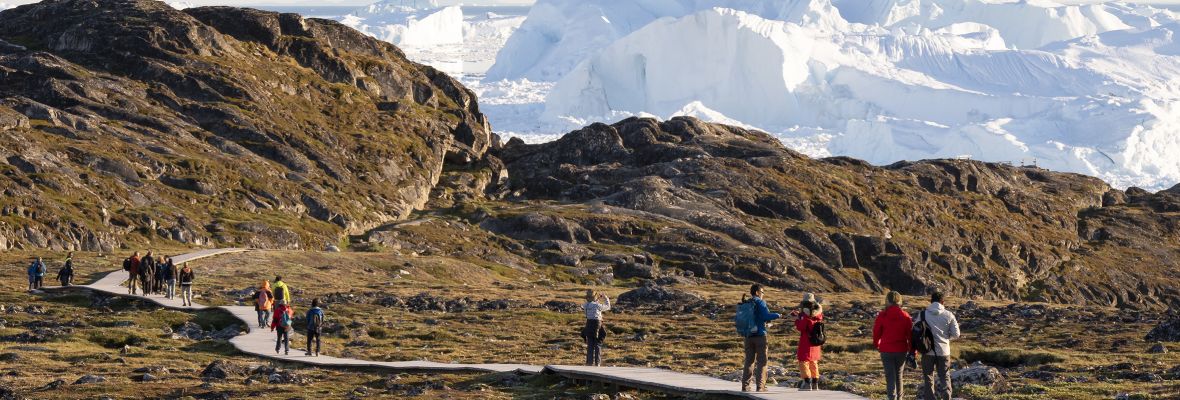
column 944, row 328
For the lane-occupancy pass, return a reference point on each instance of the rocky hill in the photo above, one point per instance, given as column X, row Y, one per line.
column 128, row 120
column 123, row 122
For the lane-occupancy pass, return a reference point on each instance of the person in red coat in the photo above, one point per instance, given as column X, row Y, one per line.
column 808, row 314
column 891, row 336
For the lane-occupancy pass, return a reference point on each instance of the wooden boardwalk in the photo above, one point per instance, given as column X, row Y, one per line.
column 261, row 342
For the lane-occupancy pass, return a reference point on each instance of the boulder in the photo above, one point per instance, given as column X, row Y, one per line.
column 1166, row 331
column 222, row 369
column 1158, row 348
column 88, row 379
column 976, row 374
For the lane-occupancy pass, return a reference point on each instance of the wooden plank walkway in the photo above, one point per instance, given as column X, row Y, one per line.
column 260, row 342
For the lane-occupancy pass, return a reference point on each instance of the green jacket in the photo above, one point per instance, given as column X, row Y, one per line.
column 282, row 293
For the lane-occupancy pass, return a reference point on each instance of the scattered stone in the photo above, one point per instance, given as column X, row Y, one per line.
column 976, row 374
column 39, row 335
column 564, row 307
column 1166, row 331
column 125, row 350
column 1158, row 348
column 146, row 377
column 7, row 393
column 87, row 379
column 53, row 385
column 332, row 248
column 283, row 377
column 222, row 369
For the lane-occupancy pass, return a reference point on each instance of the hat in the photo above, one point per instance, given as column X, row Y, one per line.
column 809, row 298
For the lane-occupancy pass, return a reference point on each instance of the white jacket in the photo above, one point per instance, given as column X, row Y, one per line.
column 594, row 309
column 943, row 325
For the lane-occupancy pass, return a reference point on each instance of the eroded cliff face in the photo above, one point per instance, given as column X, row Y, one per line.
column 735, row 205
column 129, row 120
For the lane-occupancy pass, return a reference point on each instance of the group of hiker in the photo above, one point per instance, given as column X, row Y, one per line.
column 273, row 303
column 150, row 274
column 37, row 270
column 899, row 338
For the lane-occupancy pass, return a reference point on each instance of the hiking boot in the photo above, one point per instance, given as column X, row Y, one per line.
column 287, row 353
column 805, row 386
column 763, row 389
column 745, row 388
column 815, row 384
column 317, row 354
column 307, row 354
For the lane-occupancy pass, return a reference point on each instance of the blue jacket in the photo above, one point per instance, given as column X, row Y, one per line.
column 762, row 315
column 312, row 313
column 36, row 269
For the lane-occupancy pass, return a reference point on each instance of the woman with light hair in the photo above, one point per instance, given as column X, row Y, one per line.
column 594, row 332
column 892, row 336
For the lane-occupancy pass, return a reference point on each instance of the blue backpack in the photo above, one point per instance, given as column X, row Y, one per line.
column 285, row 320
column 744, row 320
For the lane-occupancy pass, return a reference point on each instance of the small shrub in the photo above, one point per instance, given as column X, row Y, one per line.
column 1008, row 358
column 854, row 348
column 377, row 332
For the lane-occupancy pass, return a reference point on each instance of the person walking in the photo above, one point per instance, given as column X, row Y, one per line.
column 892, row 335
column 757, row 347
column 36, row 274
column 65, row 275
column 807, row 317
column 315, row 326
column 594, row 332
column 281, row 291
column 185, row 278
column 169, row 277
column 131, row 265
column 263, row 303
column 147, row 271
column 161, row 270
column 282, row 326
column 944, row 328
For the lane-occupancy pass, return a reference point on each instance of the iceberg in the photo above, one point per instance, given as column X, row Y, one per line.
column 409, row 23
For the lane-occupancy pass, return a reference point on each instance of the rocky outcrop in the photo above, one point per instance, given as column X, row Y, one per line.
column 128, row 120
column 734, row 205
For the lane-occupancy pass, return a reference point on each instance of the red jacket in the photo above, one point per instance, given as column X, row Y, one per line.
column 891, row 330
column 134, row 271
column 803, row 324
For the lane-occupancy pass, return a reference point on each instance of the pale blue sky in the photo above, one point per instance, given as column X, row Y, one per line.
column 477, row 2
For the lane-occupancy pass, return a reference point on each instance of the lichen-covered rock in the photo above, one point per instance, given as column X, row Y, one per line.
column 182, row 124
column 976, row 374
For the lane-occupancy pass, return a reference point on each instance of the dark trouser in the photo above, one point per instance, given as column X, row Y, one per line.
column 145, row 284
column 132, row 283
column 894, row 364
column 283, row 340
column 593, row 345
column 263, row 318
column 40, row 281
column 930, row 364
column 313, row 334
column 755, row 363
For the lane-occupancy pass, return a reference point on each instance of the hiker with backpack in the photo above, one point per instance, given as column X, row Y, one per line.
column 751, row 319
column 36, row 274
column 594, row 332
column 809, row 322
column 933, row 331
column 282, row 326
column 282, row 292
column 263, row 303
column 315, row 326
column 185, row 278
column 131, row 265
column 65, row 275
column 892, row 337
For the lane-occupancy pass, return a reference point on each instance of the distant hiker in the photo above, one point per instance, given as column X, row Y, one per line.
column 753, row 314
column 263, row 302
column 36, row 274
column 943, row 328
column 891, row 336
column 281, row 291
column 809, row 321
column 65, row 275
column 168, row 274
column 282, row 326
column 147, row 272
column 594, row 332
column 131, row 265
column 315, row 326
column 161, row 271
column 186, row 285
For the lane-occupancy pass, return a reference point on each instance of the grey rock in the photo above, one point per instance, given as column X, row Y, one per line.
column 976, row 374
column 88, row 379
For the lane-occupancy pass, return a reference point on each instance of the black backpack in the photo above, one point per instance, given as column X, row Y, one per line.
column 127, row 264
column 817, row 337
column 921, row 337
